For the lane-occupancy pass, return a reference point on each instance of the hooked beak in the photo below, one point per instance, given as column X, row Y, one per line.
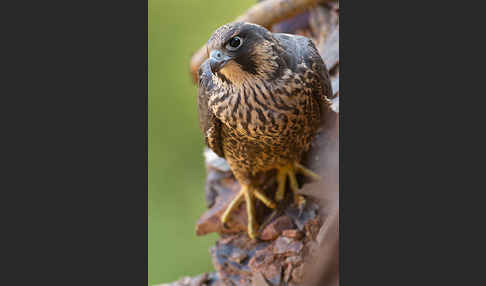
column 217, row 60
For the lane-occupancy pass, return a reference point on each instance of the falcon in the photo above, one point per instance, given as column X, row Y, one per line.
column 261, row 99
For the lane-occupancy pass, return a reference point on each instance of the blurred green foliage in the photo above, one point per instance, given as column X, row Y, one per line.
column 176, row 172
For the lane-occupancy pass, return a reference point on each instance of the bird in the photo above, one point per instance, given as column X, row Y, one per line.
column 261, row 99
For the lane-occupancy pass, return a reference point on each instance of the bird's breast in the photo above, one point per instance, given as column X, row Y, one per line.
column 260, row 109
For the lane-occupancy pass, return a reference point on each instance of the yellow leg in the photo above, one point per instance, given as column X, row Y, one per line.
column 247, row 193
column 234, row 204
column 268, row 202
column 281, row 178
column 250, row 210
column 290, row 171
column 294, row 186
column 306, row 172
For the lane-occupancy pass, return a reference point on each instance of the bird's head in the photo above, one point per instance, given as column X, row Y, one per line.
column 240, row 52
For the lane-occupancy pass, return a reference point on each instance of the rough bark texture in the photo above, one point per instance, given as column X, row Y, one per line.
column 296, row 247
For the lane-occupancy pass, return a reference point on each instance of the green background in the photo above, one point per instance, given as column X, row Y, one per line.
column 176, row 171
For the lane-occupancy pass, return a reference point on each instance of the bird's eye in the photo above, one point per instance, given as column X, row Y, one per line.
column 234, row 43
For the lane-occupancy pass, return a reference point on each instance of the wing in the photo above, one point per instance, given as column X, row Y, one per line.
column 209, row 124
column 303, row 57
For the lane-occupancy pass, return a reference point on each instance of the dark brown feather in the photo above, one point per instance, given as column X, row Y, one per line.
column 301, row 50
column 208, row 122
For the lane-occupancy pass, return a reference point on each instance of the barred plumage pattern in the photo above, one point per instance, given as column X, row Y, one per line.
column 266, row 120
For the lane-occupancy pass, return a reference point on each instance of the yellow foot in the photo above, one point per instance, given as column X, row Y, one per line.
column 290, row 171
column 247, row 193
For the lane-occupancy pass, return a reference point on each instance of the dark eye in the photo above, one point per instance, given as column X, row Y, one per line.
column 234, row 43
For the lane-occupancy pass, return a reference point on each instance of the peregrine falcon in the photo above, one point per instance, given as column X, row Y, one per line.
column 261, row 99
